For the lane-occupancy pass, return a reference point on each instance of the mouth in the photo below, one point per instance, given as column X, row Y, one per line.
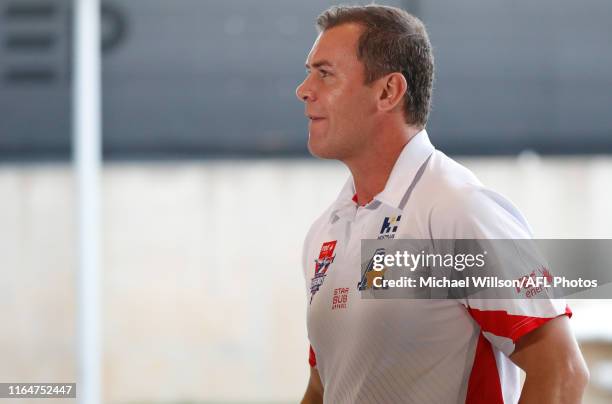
column 314, row 118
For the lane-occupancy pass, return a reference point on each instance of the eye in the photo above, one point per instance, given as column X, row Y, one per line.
column 323, row 73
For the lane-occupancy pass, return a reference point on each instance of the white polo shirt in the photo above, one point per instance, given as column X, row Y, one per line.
column 408, row 350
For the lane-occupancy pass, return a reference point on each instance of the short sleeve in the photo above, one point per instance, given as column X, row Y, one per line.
column 477, row 213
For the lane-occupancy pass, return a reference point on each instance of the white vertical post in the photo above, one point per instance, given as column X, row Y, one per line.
column 87, row 155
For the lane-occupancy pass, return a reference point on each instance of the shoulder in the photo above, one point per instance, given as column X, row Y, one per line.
column 458, row 205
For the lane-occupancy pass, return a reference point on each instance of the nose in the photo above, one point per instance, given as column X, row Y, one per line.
column 304, row 92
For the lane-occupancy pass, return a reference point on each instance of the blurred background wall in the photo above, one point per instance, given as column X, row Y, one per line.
column 208, row 191
column 176, row 76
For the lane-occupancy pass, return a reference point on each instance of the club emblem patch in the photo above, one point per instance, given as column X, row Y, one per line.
column 326, row 257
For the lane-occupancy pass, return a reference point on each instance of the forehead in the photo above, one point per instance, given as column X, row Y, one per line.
column 337, row 45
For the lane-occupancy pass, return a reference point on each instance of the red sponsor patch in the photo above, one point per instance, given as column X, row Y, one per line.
column 340, row 298
column 326, row 257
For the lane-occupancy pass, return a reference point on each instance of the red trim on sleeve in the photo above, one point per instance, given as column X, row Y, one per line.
column 512, row 326
column 355, row 198
column 484, row 386
column 312, row 359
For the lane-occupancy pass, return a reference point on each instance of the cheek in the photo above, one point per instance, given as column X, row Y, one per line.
column 344, row 105
column 349, row 109
column 365, row 100
column 334, row 100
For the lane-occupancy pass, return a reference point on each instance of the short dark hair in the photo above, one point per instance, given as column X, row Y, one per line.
column 392, row 41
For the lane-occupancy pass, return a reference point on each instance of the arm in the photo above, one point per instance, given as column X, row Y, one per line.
column 556, row 371
column 314, row 391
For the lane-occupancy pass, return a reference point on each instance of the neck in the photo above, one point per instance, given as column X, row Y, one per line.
column 372, row 169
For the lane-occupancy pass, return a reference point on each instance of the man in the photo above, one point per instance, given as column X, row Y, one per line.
column 367, row 97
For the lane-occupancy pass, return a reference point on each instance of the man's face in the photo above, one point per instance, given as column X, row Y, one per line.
column 338, row 104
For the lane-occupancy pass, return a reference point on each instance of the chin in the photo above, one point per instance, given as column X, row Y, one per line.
column 318, row 149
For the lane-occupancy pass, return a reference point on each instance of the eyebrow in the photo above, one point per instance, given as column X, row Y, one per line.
column 318, row 64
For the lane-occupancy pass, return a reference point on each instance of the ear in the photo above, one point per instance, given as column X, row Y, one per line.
column 393, row 86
